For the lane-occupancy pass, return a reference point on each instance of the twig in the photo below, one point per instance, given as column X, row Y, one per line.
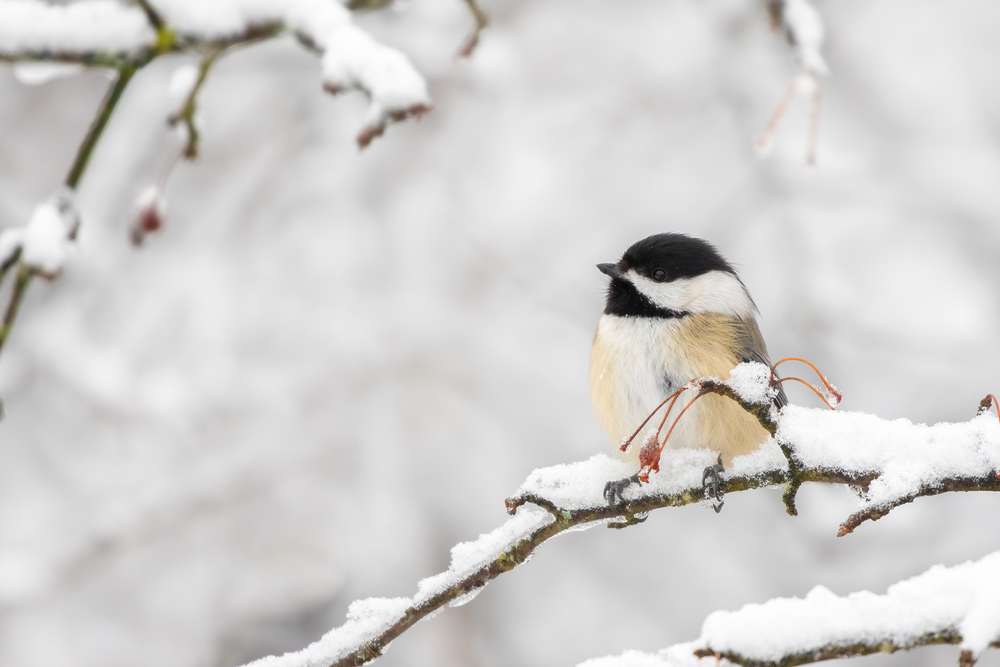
column 127, row 65
column 154, row 17
column 26, row 273
column 987, row 482
column 481, row 21
column 818, row 654
column 6, row 266
column 24, row 276
column 97, row 127
column 187, row 111
column 765, row 138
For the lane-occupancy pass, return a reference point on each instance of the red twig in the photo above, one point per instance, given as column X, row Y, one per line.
column 624, row 446
column 815, row 390
column 650, row 460
column 826, row 383
column 701, row 393
column 663, row 421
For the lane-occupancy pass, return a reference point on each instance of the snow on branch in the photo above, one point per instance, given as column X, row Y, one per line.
column 944, row 605
column 889, row 463
column 373, row 623
column 103, row 33
column 46, row 40
column 97, row 32
column 938, row 458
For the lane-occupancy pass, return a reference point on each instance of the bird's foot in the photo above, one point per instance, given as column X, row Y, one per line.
column 711, row 483
column 615, row 488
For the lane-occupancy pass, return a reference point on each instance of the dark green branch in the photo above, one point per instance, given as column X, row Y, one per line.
column 154, row 17
column 24, row 276
column 97, row 127
column 8, row 264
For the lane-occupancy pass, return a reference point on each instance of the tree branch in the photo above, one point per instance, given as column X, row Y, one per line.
column 97, row 127
column 627, row 514
column 857, row 650
column 571, row 495
column 187, row 111
column 24, row 276
column 154, row 17
column 481, row 22
column 129, row 38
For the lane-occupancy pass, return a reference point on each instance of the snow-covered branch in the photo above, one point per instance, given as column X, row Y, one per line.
column 826, row 449
column 944, row 605
column 102, row 33
column 46, row 40
column 889, row 463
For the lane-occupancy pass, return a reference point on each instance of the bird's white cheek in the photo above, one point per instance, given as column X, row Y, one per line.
column 675, row 295
column 715, row 292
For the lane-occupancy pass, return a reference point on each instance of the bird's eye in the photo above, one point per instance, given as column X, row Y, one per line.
column 659, row 275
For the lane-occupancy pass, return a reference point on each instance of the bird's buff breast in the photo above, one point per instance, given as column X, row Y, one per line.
column 633, row 366
column 635, row 363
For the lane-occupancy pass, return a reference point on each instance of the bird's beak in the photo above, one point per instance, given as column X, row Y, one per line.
column 610, row 270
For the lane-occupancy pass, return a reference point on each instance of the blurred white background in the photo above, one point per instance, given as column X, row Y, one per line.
column 331, row 366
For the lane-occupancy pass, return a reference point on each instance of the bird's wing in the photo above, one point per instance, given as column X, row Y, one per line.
column 751, row 347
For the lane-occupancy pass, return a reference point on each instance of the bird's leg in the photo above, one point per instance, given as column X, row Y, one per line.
column 615, row 488
column 711, row 483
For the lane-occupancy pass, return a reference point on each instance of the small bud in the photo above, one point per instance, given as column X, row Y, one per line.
column 150, row 215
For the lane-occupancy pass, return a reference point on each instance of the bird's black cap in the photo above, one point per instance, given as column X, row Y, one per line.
column 678, row 255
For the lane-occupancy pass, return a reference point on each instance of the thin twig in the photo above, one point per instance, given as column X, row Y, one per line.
column 831, row 652
column 26, row 273
column 481, row 21
column 765, row 138
column 24, row 276
column 6, row 266
column 97, row 127
column 187, row 111
column 154, row 17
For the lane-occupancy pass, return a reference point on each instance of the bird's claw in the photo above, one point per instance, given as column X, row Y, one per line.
column 615, row 488
column 711, row 483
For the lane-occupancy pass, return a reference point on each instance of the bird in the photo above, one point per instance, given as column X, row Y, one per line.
column 675, row 311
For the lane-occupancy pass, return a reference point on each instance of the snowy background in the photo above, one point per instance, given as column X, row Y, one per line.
column 331, row 366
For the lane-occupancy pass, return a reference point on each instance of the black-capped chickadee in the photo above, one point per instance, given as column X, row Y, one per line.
column 676, row 311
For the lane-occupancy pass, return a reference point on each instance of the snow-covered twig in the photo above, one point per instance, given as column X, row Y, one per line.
column 944, row 605
column 126, row 38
